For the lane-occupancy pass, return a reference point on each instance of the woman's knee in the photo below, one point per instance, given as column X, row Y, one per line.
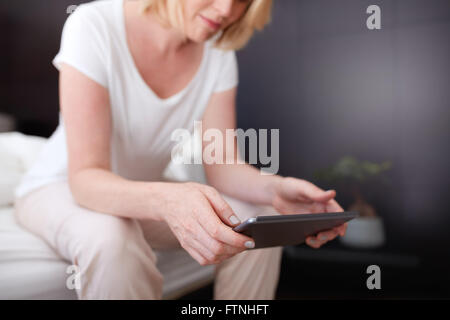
column 271, row 255
column 112, row 239
column 114, row 257
column 265, row 255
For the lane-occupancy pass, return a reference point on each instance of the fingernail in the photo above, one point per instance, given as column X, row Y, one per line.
column 323, row 238
column 312, row 241
column 250, row 244
column 234, row 220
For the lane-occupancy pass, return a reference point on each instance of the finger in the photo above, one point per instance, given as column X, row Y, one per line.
column 313, row 242
column 189, row 243
column 203, row 251
column 221, row 232
column 220, row 206
column 196, row 255
column 313, row 193
column 226, row 235
column 327, row 235
column 342, row 229
column 215, row 249
column 333, row 206
column 201, row 248
column 211, row 222
column 321, row 196
column 338, row 231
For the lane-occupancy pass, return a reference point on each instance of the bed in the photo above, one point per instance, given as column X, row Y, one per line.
column 30, row 269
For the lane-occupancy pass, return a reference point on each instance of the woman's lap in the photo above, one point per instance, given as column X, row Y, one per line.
column 96, row 242
column 51, row 213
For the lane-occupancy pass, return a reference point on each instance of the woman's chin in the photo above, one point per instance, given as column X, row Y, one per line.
column 202, row 36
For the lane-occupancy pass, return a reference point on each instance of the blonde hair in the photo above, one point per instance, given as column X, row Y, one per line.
column 234, row 37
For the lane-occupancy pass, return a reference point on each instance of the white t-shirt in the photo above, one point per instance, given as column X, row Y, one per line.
column 94, row 42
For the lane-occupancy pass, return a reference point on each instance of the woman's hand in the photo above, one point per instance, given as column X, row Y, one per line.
column 201, row 220
column 293, row 196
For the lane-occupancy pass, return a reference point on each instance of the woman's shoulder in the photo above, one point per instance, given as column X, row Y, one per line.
column 223, row 66
column 87, row 36
column 218, row 53
column 221, row 57
column 98, row 14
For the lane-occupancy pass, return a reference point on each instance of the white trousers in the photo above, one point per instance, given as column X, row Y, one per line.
column 116, row 255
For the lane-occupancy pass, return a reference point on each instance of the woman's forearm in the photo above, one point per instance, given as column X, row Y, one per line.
column 103, row 191
column 242, row 181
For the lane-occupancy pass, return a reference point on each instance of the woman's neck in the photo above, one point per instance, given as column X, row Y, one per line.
column 165, row 39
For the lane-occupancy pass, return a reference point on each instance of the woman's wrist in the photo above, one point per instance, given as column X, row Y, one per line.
column 158, row 198
column 273, row 187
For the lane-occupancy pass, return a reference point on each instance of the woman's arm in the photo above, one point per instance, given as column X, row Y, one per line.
column 195, row 213
column 241, row 181
column 87, row 120
column 287, row 195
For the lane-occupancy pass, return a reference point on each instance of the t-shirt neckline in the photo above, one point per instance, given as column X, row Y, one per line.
column 173, row 99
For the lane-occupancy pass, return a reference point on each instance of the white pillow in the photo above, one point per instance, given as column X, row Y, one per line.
column 17, row 154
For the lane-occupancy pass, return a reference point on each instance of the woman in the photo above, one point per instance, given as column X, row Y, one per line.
column 131, row 72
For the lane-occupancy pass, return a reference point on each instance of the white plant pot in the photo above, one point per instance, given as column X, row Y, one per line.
column 364, row 233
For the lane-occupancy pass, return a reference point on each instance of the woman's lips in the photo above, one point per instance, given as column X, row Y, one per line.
column 213, row 25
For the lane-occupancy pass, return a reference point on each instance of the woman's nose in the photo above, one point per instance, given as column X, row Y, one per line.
column 224, row 7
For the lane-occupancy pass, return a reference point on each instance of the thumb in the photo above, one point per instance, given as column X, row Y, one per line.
column 322, row 196
column 221, row 207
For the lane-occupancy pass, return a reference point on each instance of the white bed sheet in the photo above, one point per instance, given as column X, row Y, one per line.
column 30, row 269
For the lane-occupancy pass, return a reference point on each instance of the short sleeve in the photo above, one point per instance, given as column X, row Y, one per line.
column 83, row 45
column 228, row 77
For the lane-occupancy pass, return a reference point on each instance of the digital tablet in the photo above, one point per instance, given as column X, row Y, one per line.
column 290, row 229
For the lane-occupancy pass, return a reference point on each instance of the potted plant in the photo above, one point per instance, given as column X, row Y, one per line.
column 356, row 180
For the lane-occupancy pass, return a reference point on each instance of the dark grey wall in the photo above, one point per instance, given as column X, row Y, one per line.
column 330, row 85
column 30, row 33
column 335, row 88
